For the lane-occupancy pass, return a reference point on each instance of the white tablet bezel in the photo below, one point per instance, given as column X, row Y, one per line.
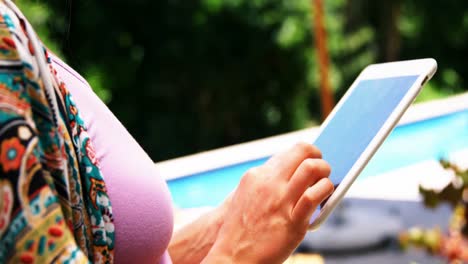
column 425, row 69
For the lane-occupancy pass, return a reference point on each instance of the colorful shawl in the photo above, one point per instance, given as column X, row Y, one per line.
column 54, row 205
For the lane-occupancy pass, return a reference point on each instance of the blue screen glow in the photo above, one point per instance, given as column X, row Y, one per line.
column 358, row 120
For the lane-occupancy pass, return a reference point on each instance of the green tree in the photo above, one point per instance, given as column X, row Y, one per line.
column 190, row 76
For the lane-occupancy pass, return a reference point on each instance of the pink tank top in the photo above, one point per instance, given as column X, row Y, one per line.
column 140, row 197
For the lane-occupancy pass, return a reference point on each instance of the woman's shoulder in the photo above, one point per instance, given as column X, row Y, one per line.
column 72, row 76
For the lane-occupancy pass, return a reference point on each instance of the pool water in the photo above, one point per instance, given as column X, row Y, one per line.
column 408, row 144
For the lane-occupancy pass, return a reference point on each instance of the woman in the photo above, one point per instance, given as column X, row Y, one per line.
column 55, row 152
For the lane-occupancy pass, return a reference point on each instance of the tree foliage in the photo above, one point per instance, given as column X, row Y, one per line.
column 186, row 76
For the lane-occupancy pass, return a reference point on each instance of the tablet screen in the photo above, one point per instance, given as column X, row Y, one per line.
column 358, row 120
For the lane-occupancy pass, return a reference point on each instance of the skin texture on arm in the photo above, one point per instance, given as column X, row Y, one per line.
column 191, row 243
column 269, row 212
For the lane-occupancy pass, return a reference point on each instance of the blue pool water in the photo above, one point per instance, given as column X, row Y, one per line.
column 428, row 139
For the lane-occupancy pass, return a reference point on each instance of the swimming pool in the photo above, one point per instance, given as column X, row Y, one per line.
column 429, row 136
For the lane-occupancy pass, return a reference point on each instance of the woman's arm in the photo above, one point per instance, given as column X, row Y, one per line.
column 191, row 243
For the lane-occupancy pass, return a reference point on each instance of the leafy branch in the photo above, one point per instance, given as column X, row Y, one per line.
column 452, row 245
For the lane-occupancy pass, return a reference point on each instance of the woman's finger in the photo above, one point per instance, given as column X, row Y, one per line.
column 309, row 172
column 285, row 164
column 311, row 198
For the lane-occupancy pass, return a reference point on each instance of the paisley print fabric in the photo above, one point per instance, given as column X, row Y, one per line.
column 54, row 205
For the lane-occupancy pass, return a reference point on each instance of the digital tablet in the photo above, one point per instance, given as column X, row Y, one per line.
column 363, row 118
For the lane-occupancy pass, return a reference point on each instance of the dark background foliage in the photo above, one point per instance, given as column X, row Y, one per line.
column 187, row 76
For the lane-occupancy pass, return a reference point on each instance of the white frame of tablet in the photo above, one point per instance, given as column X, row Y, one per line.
column 425, row 69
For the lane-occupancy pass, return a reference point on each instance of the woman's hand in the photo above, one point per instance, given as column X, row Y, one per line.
column 268, row 214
